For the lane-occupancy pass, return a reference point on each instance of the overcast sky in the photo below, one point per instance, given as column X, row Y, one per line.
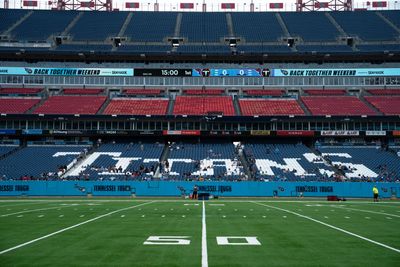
column 212, row 5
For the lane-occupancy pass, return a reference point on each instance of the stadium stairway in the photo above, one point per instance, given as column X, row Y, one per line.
column 318, row 153
column 361, row 97
column 282, row 24
column 123, row 28
column 230, row 24
column 171, row 105
column 104, row 106
column 178, row 24
column 304, row 107
column 337, row 26
column 125, row 25
column 388, row 22
column 17, row 148
column 42, row 100
column 237, row 106
column 246, row 166
column 78, row 163
column 7, row 32
column 72, row 24
column 164, row 156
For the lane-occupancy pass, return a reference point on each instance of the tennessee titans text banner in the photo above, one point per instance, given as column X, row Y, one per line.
column 335, row 72
column 66, row 71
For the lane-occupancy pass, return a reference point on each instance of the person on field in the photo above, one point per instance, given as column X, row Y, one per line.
column 376, row 193
column 195, row 191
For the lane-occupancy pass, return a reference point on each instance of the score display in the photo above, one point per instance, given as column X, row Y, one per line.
column 202, row 72
column 231, row 72
column 163, row 72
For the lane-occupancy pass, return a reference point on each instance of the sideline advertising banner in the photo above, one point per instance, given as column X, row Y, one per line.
column 65, row 71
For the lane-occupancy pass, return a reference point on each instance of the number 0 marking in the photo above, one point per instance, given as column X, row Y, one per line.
column 167, row 240
column 248, row 241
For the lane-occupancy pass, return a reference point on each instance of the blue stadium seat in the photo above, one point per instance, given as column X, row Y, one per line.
column 366, row 25
column 393, row 16
column 207, row 160
column 145, row 49
column 84, row 48
column 263, row 49
column 131, row 156
column 310, row 26
column 9, row 17
column 384, row 164
column 256, row 27
column 97, row 26
column 267, row 155
column 325, row 48
column 151, row 26
column 203, row 27
column 4, row 149
column 36, row 160
column 42, row 24
column 379, row 48
column 204, row 49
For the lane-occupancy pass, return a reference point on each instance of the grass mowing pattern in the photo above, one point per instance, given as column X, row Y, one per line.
column 117, row 239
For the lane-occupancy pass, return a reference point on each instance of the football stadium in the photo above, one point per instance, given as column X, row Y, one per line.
column 199, row 133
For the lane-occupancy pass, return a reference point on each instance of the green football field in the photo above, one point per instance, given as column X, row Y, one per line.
column 156, row 232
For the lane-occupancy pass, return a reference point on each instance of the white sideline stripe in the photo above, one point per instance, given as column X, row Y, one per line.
column 22, row 204
column 71, row 227
column 27, row 211
column 204, row 256
column 333, row 227
column 370, row 211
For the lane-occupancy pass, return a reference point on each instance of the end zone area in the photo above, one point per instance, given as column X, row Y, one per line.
column 155, row 232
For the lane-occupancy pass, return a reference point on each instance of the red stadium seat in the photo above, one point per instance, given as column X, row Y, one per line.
column 21, row 91
column 80, row 91
column 142, row 92
column 17, row 105
column 137, row 107
column 265, row 107
column 336, row 105
column 389, row 105
column 261, row 92
column 71, row 105
column 203, row 105
column 204, row 92
column 325, row 91
column 384, row 91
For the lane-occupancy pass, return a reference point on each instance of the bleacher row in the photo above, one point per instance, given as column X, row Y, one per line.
column 201, row 102
column 197, row 161
column 148, row 32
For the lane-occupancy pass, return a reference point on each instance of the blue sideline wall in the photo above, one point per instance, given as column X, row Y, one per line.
column 162, row 188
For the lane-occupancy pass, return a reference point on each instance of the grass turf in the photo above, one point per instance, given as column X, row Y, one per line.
column 285, row 230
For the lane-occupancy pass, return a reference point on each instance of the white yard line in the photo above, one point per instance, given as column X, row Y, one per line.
column 331, row 226
column 370, row 211
column 27, row 211
column 204, row 256
column 71, row 227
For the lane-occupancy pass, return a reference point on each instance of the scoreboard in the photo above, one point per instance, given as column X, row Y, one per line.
column 202, row 72
column 231, row 72
column 163, row 72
